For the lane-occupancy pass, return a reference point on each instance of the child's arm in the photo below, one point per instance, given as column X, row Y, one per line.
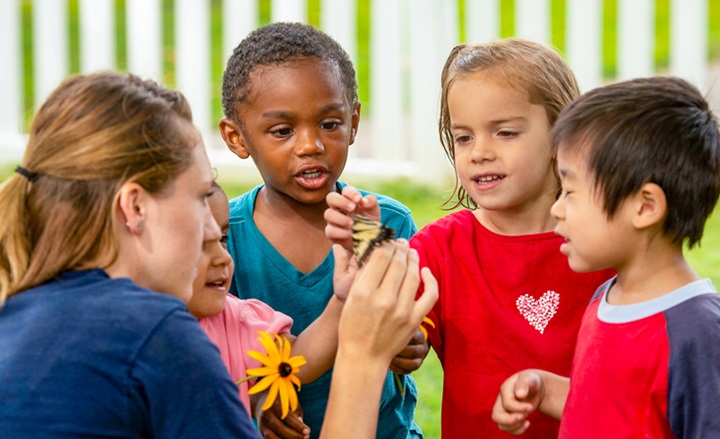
column 525, row 392
column 318, row 342
column 340, row 207
column 379, row 317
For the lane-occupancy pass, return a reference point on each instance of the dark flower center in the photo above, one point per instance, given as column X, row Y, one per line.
column 284, row 369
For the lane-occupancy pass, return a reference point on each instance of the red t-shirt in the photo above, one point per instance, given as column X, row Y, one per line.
column 506, row 303
column 647, row 370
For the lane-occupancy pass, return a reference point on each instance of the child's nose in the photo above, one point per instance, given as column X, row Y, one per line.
column 221, row 257
column 309, row 143
column 482, row 150
column 558, row 209
column 211, row 230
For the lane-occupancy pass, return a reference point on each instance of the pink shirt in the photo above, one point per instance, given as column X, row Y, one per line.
column 235, row 331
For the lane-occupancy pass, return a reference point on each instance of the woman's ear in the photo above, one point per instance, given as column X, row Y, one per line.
column 650, row 206
column 131, row 206
column 233, row 137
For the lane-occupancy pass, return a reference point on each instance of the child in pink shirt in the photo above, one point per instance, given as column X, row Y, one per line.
column 233, row 324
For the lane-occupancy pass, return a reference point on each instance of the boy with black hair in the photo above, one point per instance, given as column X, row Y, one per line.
column 290, row 102
column 640, row 168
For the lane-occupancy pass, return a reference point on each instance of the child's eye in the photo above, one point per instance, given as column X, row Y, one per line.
column 461, row 139
column 506, row 133
column 281, row 132
column 329, row 125
column 224, row 239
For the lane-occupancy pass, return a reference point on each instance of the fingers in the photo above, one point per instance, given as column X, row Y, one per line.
column 512, row 405
column 512, row 422
column 404, row 366
column 342, row 203
column 412, row 356
column 344, row 272
column 341, row 259
column 430, row 294
column 377, row 272
column 291, row 427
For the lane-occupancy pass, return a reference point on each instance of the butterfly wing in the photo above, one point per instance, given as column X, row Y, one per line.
column 366, row 234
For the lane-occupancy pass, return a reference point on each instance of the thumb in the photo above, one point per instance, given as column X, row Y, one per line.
column 341, row 259
column 526, row 386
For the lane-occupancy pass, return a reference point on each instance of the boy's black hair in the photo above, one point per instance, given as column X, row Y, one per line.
column 650, row 130
column 279, row 43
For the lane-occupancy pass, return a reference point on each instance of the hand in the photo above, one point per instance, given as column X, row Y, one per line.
column 340, row 207
column 412, row 356
column 520, row 395
column 381, row 314
column 271, row 426
column 344, row 274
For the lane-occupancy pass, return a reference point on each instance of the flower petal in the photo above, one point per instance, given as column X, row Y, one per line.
column 296, row 361
column 270, row 347
column 272, row 395
column 285, row 350
column 262, row 358
column 295, row 380
column 261, row 371
column 422, row 329
column 283, row 384
column 293, row 398
column 263, row 384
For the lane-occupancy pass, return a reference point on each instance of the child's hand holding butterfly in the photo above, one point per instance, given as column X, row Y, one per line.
column 341, row 206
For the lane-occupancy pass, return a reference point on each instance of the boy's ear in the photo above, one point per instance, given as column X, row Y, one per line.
column 131, row 206
column 354, row 123
column 650, row 206
column 233, row 137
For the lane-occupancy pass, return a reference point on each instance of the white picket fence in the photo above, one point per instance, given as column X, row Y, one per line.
column 410, row 40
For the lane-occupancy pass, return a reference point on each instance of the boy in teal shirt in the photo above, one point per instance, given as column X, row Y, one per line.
column 290, row 103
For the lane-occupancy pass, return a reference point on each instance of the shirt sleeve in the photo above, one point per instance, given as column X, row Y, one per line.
column 258, row 316
column 181, row 382
column 425, row 248
column 694, row 376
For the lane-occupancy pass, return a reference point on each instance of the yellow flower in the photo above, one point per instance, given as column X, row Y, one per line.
column 278, row 372
column 422, row 328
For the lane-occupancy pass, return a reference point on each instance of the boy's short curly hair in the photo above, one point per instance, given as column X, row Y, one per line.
column 279, row 43
column 648, row 130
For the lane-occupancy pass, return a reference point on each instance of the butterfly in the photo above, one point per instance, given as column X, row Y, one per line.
column 366, row 234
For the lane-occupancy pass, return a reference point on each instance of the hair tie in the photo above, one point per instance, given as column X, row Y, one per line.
column 31, row 176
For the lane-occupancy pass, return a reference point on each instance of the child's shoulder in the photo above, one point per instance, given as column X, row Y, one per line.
column 243, row 203
column 700, row 308
column 459, row 221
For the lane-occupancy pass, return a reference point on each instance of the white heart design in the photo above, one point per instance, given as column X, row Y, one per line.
column 538, row 312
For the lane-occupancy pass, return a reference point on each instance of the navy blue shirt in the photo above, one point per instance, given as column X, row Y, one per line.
column 89, row 356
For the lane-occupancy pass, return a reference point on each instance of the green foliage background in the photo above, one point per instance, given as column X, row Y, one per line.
column 507, row 11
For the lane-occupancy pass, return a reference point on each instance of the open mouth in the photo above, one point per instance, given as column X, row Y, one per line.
column 486, row 179
column 218, row 284
column 316, row 173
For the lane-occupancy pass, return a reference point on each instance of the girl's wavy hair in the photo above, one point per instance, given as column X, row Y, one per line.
column 93, row 134
column 524, row 65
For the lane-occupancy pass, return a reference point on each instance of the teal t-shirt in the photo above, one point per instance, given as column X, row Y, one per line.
column 262, row 273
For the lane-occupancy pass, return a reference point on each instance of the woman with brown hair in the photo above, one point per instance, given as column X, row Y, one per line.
column 108, row 209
